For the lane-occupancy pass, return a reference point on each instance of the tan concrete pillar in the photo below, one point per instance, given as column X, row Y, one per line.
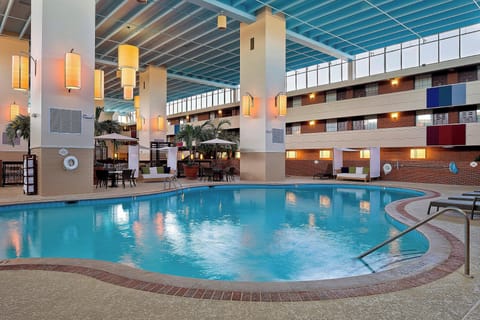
column 62, row 119
column 262, row 75
column 153, row 104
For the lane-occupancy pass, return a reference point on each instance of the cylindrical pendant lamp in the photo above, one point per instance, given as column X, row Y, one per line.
column 98, row 84
column 128, row 93
column 128, row 77
column 128, row 56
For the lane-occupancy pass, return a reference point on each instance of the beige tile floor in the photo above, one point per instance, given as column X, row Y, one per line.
column 55, row 295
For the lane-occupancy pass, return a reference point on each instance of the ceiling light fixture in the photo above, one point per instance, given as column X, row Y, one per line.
column 221, row 21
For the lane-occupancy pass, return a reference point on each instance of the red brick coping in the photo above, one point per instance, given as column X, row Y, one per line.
column 439, row 261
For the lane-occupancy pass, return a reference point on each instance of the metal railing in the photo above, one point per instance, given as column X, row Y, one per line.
column 436, row 214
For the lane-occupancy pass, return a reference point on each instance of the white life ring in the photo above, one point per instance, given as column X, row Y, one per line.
column 387, row 168
column 473, row 164
column 70, row 163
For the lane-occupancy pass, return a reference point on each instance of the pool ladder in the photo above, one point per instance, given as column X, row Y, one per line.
column 177, row 185
column 436, row 214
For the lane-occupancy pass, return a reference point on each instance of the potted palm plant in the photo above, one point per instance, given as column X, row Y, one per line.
column 190, row 134
column 19, row 128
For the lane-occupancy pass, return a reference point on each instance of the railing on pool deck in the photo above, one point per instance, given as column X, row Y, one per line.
column 436, row 214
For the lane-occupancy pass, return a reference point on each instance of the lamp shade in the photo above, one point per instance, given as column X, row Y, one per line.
column 128, row 93
column 139, row 119
column 136, row 102
column 247, row 104
column 14, row 111
column 98, row 83
column 161, row 123
column 20, row 79
column 128, row 56
column 128, row 77
column 222, row 21
column 281, row 103
column 73, row 68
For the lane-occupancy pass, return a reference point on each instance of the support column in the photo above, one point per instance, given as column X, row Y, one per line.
column 153, row 107
column 262, row 75
column 61, row 119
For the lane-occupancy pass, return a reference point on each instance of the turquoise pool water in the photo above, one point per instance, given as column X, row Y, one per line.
column 238, row 233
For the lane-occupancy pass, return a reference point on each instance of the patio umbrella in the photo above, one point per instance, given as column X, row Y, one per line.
column 114, row 137
column 217, row 142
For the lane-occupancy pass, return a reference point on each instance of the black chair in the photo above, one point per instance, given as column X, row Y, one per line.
column 207, row 174
column 102, row 178
column 127, row 176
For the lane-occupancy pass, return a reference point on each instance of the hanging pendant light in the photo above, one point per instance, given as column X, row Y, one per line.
column 128, row 56
column 128, row 77
column 128, row 93
column 221, row 21
column 98, row 84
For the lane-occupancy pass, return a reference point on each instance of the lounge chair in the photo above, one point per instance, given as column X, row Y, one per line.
column 465, row 205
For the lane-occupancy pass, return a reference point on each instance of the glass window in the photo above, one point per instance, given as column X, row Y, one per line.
column 371, row 89
column 423, row 118
column 358, row 124
column 312, row 77
column 335, row 72
column 469, row 44
column 323, row 75
column 331, row 126
column 377, row 63
column 428, row 53
column 478, row 115
column 440, row 118
column 331, row 96
column 467, row 116
column 342, row 125
column 423, row 81
column 370, row 122
column 449, row 49
column 301, row 79
column 296, row 128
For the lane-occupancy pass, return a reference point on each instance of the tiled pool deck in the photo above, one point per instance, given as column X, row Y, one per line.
column 443, row 261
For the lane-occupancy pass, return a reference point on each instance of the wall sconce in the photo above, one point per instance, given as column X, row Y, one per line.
column 365, row 154
column 220, row 112
column 394, row 116
column 14, row 111
column 161, row 123
column 292, row 154
column 312, row 95
column 281, row 103
column 128, row 56
column 419, row 153
column 221, row 21
column 394, row 82
column 98, row 84
column 20, row 79
column 128, row 77
column 73, row 71
column 128, row 93
column 325, row 154
column 136, row 102
column 311, row 122
column 247, row 104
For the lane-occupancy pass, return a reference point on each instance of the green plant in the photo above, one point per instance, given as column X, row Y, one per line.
column 19, row 128
column 190, row 135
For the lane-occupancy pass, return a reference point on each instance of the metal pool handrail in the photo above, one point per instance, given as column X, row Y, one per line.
column 436, row 214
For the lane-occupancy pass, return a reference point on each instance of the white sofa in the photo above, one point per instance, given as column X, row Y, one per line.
column 360, row 173
column 154, row 176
